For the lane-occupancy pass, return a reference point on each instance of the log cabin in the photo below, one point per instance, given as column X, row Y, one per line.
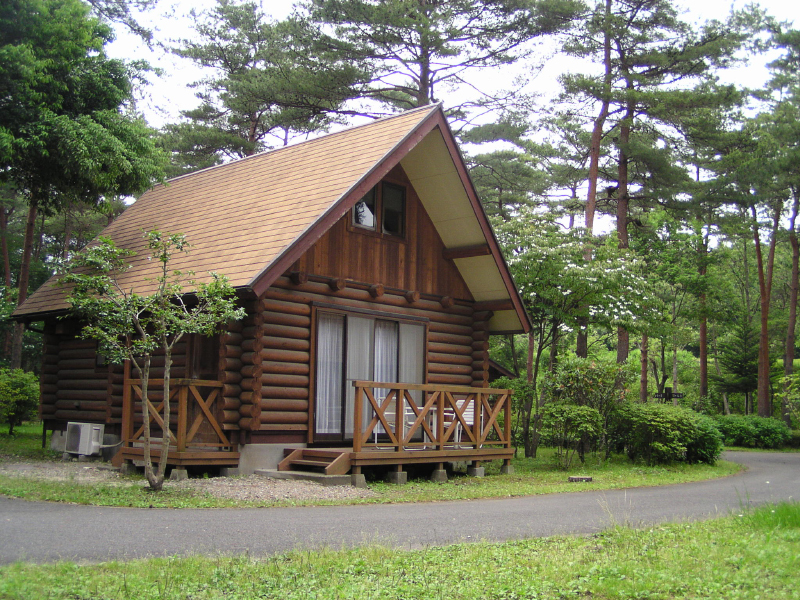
column 371, row 280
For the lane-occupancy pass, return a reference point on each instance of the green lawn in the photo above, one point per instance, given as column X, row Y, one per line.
column 532, row 476
column 747, row 556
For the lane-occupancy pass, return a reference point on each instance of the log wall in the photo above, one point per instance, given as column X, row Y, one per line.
column 457, row 345
column 74, row 388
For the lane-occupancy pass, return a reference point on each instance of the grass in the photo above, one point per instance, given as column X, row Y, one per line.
column 531, row 477
column 26, row 443
column 753, row 555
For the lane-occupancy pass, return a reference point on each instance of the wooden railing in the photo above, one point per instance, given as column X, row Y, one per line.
column 195, row 400
column 442, row 417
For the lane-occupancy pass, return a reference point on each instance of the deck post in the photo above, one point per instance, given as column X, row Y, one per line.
column 357, row 419
column 183, row 393
column 507, row 423
column 399, row 419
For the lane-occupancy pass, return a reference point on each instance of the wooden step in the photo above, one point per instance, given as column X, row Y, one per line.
column 330, row 461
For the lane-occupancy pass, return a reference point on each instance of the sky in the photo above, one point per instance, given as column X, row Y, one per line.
column 170, row 93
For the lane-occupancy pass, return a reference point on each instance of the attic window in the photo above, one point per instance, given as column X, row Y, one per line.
column 382, row 209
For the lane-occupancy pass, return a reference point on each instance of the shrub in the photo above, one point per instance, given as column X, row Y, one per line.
column 571, row 429
column 19, row 397
column 660, row 433
column 752, row 431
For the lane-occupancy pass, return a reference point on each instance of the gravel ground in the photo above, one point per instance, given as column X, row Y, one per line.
column 250, row 487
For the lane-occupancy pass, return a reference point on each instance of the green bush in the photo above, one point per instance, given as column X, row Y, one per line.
column 660, row 433
column 19, row 397
column 752, row 431
column 571, row 429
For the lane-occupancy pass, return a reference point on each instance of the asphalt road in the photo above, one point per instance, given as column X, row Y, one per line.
column 44, row 532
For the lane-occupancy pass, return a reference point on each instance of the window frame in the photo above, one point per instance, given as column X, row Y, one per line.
column 375, row 315
column 378, row 230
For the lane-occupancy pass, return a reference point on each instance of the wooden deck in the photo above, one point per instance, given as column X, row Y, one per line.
column 392, row 427
column 195, row 435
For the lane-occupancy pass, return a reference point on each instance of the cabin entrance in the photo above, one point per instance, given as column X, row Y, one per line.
column 361, row 346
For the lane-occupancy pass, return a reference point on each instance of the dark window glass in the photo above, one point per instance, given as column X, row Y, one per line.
column 394, row 202
column 364, row 211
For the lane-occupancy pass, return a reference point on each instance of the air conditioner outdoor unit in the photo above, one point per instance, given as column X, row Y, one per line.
column 84, row 438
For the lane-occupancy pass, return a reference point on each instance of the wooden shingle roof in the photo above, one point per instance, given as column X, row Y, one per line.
column 249, row 219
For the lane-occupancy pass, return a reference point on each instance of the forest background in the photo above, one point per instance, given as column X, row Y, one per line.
column 642, row 181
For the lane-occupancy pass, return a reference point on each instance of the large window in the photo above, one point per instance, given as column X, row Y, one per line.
column 382, row 209
column 354, row 346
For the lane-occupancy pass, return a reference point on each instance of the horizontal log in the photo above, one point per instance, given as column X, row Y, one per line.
column 251, row 372
column 377, row 290
column 247, row 410
column 284, row 392
column 480, row 346
column 449, row 349
column 246, row 424
column 93, row 373
column 231, row 377
column 466, row 251
column 251, row 331
column 464, row 330
column 280, row 355
column 47, row 409
column 279, row 404
column 450, row 359
column 454, row 369
column 231, row 338
column 278, row 343
column 231, row 390
column 251, row 358
column 449, row 379
column 494, row 305
column 227, row 403
column 283, row 417
column 77, row 344
column 276, row 318
column 284, row 368
column 252, row 345
column 49, row 378
column 82, row 394
column 250, row 397
column 292, row 308
column 81, row 405
column 234, row 326
column 285, row 331
column 446, row 338
column 319, row 291
column 77, row 363
column 273, row 379
column 230, row 364
column 83, row 384
column 81, row 415
column 50, row 367
column 48, row 388
column 231, row 351
column 231, row 416
column 51, row 358
column 480, row 365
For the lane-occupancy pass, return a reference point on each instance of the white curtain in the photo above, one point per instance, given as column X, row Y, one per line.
column 386, row 351
column 412, row 359
column 359, row 366
column 330, row 362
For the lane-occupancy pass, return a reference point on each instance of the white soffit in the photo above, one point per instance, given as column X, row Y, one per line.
column 434, row 176
column 505, row 320
column 483, row 278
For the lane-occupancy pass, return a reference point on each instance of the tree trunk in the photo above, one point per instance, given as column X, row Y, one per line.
column 726, row 407
column 24, row 277
column 788, row 356
column 765, row 292
column 623, row 200
column 702, row 271
column 582, row 344
column 643, row 370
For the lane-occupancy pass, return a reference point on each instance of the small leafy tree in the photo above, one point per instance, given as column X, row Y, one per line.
column 132, row 326
column 19, row 397
column 571, row 428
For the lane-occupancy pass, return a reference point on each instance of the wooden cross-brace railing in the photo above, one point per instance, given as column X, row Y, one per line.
column 434, row 421
column 187, row 391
